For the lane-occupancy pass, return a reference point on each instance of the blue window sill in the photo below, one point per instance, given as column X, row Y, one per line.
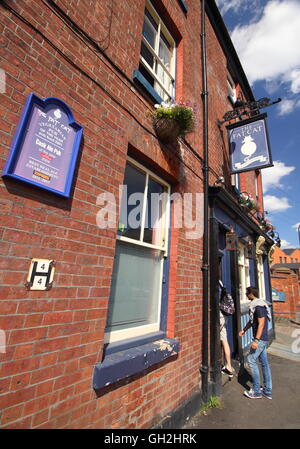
column 140, row 79
column 122, row 364
column 183, row 6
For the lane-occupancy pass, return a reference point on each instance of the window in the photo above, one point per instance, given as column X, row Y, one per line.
column 235, row 181
column 231, row 90
column 157, row 58
column 244, row 272
column 142, row 242
column 261, row 277
column 280, row 258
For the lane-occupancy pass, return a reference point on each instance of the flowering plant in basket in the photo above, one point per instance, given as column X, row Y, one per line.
column 246, row 200
column 266, row 225
column 173, row 120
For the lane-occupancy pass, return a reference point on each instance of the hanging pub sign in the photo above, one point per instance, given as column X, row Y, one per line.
column 249, row 144
column 45, row 146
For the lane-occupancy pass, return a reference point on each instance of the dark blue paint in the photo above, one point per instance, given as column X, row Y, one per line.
column 132, row 361
column 137, row 76
column 251, row 272
column 165, row 283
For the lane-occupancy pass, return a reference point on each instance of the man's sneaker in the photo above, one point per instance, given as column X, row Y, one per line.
column 252, row 395
column 227, row 372
column 266, row 395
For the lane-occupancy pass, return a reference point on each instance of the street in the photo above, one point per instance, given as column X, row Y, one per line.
column 282, row 412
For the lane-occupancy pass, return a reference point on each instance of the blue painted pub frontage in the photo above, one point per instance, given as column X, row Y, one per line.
column 243, row 264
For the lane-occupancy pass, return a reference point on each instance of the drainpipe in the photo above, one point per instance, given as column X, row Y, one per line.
column 204, row 369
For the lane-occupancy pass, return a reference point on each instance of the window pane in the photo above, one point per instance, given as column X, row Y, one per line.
column 135, row 289
column 164, row 78
column 153, row 231
column 165, row 51
column 147, row 55
column 149, row 29
column 132, row 203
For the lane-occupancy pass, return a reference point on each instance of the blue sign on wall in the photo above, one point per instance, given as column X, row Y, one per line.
column 46, row 145
column 249, row 144
column 277, row 295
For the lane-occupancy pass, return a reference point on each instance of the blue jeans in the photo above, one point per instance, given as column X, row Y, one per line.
column 260, row 354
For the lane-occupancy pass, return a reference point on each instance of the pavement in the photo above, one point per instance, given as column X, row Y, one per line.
column 282, row 412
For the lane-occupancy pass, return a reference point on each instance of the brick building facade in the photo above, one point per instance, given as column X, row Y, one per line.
column 285, row 278
column 63, row 365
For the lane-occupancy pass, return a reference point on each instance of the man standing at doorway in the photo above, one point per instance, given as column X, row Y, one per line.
column 259, row 316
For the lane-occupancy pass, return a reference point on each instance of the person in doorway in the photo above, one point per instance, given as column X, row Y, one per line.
column 260, row 314
column 227, row 368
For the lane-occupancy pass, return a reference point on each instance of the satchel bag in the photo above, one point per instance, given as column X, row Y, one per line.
column 226, row 303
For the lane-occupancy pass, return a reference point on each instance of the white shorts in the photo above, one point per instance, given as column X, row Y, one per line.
column 223, row 322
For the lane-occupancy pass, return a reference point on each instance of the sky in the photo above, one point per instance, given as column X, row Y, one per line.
column 266, row 36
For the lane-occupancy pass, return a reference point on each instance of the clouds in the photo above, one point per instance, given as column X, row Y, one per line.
column 269, row 47
column 275, row 204
column 271, row 176
column 285, row 244
column 238, row 6
column 235, row 5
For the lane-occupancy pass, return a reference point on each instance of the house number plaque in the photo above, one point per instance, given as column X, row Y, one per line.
column 40, row 275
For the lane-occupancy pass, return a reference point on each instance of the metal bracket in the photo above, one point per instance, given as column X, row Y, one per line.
column 250, row 108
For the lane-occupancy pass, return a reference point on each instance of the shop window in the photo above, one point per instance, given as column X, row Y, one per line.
column 141, row 248
column 157, row 57
column 261, row 277
column 244, row 272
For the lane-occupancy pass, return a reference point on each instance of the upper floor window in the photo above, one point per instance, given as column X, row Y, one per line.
column 235, row 180
column 231, row 89
column 157, row 58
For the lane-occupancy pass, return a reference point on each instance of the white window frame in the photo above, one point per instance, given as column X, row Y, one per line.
column 168, row 95
column 119, row 335
column 244, row 273
column 231, row 88
column 235, row 181
column 261, row 277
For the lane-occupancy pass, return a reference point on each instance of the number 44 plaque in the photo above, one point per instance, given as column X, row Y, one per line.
column 40, row 275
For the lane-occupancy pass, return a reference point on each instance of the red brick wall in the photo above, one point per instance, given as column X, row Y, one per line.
column 289, row 284
column 279, row 253
column 54, row 338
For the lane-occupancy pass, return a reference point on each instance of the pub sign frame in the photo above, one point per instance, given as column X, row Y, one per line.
column 32, row 146
column 263, row 158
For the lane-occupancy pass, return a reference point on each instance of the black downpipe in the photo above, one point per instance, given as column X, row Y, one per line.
column 205, row 267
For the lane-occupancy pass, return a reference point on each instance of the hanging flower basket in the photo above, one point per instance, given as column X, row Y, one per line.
column 266, row 225
column 171, row 121
column 248, row 202
column 167, row 129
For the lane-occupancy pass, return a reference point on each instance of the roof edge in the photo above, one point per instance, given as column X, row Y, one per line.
column 221, row 31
